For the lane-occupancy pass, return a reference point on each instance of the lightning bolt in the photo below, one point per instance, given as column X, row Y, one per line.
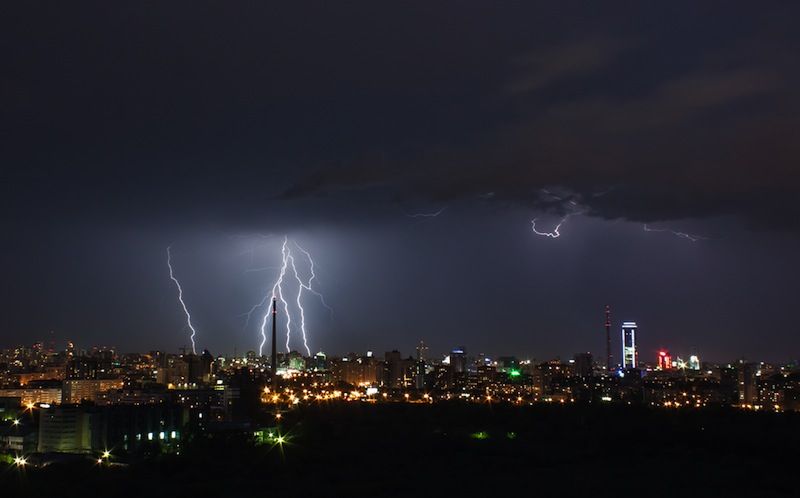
column 289, row 265
column 427, row 215
column 277, row 292
column 180, row 299
column 313, row 275
column 683, row 235
column 555, row 233
column 575, row 209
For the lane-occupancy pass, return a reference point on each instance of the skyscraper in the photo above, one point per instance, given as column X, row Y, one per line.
column 608, row 338
column 664, row 360
column 629, row 356
column 458, row 360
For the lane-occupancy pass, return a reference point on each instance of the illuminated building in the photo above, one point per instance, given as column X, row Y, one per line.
column 34, row 395
column 48, row 373
column 629, row 354
column 664, row 360
column 357, row 370
column 420, row 366
column 748, row 383
column 694, row 362
column 77, row 390
column 458, row 360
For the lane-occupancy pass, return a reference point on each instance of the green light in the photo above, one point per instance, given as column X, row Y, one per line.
column 511, row 435
column 479, row 435
column 514, row 373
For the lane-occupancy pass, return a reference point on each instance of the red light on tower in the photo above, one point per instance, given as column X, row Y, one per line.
column 664, row 360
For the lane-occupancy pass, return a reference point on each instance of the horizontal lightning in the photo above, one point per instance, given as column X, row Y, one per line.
column 433, row 214
column 683, row 235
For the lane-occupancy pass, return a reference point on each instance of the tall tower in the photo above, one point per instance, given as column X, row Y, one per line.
column 629, row 345
column 608, row 338
column 274, row 347
column 420, row 374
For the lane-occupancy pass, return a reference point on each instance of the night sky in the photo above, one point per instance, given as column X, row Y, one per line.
column 220, row 127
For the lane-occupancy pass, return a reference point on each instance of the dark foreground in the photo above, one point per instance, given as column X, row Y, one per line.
column 461, row 450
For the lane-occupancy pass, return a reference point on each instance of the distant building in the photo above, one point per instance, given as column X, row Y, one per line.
column 748, row 383
column 64, row 429
column 186, row 369
column 19, row 439
column 629, row 353
column 458, row 360
column 47, row 373
column 584, row 364
column 398, row 371
column 83, row 429
column 420, row 368
column 77, row 390
column 358, row 370
column 664, row 360
column 34, row 395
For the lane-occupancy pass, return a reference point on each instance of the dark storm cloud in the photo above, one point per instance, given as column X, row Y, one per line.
column 550, row 65
column 205, row 107
column 129, row 126
column 711, row 136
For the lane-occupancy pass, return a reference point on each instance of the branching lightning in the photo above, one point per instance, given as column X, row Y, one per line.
column 289, row 265
column 180, row 299
column 575, row 209
column 683, row 235
column 553, row 234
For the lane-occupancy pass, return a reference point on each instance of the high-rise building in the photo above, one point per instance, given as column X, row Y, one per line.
column 420, row 366
column 664, row 360
column 584, row 364
column 608, row 338
column 458, row 360
column 748, row 383
column 629, row 354
column 393, row 362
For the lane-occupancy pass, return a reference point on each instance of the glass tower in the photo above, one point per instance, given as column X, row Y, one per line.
column 629, row 345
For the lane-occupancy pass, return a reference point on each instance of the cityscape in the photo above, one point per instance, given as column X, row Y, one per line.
column 74, row 402
column 399, row 249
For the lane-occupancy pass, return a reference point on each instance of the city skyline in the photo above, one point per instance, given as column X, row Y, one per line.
column 625, row 352
column 453, row 248
column 504, row 173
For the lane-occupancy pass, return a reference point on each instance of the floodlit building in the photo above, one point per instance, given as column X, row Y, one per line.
column 664, row 360
column 629, row 354
column 77, row 390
